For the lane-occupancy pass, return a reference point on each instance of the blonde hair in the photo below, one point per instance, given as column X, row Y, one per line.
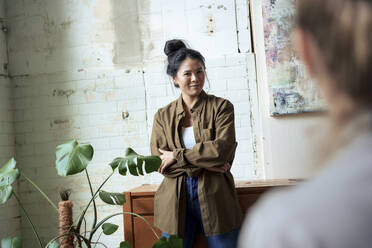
column 342, row 30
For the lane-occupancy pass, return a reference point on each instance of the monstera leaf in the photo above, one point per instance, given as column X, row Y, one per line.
column 135, row 163
column 172, row 242
column 124, row 244
column 11, row 242
column 109, row 228
column 112, row 198
column 73, row 158
column 8, row 174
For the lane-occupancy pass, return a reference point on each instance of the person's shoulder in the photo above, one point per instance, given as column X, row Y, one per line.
column 287, row 205
column 265, row 220
column 219, row 102
column 166, row 110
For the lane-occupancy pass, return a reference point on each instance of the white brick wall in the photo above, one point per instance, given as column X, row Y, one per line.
column 78, row 65
column 9, row 217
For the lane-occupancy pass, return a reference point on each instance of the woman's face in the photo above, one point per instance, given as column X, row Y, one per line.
column 190, row 77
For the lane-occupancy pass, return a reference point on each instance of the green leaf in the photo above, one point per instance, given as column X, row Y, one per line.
column 5, row 193
column 10, row 242
column 8, row 173
column 121, row 163
column 54, row 244
column 175, row 242
column 112, row 198
column 73, row 158
column 124, row 244
column 134, row 162
column 109, row 228
column 172, row 242
column 161, row 243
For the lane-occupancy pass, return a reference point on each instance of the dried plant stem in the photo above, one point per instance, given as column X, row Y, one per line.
column 65, row 223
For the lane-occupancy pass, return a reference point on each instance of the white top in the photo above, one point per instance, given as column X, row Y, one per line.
column 188, row 137
column 333, row 210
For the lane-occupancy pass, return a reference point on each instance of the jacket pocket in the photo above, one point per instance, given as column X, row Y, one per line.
column 207, row 134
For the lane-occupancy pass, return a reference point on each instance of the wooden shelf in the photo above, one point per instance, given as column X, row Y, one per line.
column 140, row 200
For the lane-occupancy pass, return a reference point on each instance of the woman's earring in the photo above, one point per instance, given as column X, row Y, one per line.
column 174, row 86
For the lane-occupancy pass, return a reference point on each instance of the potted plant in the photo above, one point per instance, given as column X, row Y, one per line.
column 73, row 158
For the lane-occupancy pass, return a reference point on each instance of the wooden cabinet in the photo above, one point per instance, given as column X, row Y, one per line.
column 140, row 200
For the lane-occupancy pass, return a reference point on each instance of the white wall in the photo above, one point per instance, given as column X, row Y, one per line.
column 9, row 217
column 76, row 66
column 290, row 142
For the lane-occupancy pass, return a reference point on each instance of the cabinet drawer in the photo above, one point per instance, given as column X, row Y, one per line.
column 143, row 236
column 247, row 200
column 143, row 205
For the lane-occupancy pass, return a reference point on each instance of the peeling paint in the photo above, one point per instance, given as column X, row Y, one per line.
column 221, row 7
column 49, row 49
column 66, row 93
column 128, row 30
column 48, row 25
column 66, row 24
column 125, row 115
column 61, row 121
column 204, row 6
column 211, row 25
column 253, row 128
column 65, row 123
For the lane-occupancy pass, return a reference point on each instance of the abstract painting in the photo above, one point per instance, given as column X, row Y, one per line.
column 291, row 90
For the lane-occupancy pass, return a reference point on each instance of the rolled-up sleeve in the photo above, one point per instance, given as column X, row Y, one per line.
column 159, row 141
column 158, row 138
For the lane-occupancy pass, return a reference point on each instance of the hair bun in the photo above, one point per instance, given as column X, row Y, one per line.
column 172, row 46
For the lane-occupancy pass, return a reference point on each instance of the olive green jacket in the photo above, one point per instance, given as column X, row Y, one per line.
column 214, row 132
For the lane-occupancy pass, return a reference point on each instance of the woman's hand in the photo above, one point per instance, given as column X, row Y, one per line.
column 167, row 159
column 221, row 169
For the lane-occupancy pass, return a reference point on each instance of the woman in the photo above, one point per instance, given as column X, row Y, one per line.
column 195, row 139
column 334, row 209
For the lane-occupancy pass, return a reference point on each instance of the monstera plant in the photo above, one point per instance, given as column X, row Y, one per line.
column 73, row 158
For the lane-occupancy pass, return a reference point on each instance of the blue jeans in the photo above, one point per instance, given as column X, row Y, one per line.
column 194, row 222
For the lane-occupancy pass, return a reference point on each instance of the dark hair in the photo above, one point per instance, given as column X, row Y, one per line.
column 177, row 52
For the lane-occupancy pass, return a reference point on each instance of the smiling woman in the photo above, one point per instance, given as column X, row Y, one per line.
column 195, row 139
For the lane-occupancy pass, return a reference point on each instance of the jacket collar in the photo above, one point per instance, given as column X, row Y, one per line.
column 197, row 106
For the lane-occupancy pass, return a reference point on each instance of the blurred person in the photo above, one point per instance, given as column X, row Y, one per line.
column 333, row 209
